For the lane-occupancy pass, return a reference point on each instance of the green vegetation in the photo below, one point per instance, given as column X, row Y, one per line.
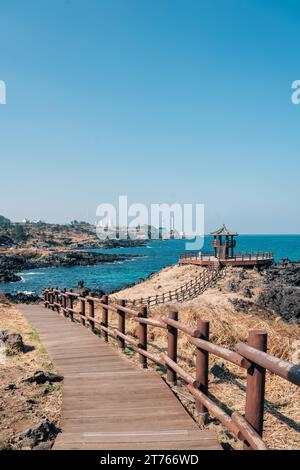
column 45, row 360
column 4, row 222
column 33, row 335
column 52, row 388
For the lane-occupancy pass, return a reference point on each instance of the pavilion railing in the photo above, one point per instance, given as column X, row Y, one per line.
column 209, row 256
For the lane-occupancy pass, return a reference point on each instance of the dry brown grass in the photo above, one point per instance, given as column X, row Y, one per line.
column 227, row 327
column 28, row 404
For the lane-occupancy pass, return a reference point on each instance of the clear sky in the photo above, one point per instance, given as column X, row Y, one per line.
column 163, row 100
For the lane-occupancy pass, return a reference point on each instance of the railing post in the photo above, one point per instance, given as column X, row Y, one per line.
column 71, row 304
column 63, row 302
column 255, row 391
column 172, row 345
column 105, row 317
column 52, row 299
column 91, row 311
column 82, row 310
column 143, row 337
column 121, row 324
column 57, row 299
column 202, row 371
column 45, row 298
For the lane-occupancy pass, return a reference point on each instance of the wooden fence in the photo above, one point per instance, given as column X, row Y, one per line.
column 187, row 291
column 251, row 357
column 209, row 256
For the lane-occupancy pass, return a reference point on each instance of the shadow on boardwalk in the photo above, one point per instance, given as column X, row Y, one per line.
column 108, row 403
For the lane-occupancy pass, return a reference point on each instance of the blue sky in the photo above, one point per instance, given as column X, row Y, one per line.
column 164, row 101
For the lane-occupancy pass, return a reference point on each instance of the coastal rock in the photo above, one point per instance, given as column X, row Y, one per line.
column 23, row 298
column 108, row 244
column 233, row 286
column 8, row 276
column 34, row 436
column 242, row 305
column 247, row 292
column 6, row 241
column 12, row 340
column 32, row 260
column 43, row 446
column 284, row 301
column 41, row 377
column 285, row 273
column 282, row 290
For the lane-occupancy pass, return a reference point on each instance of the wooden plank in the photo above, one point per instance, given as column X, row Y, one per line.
column 109, row 403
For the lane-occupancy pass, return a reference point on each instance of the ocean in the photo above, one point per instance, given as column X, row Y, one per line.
column 156, row 255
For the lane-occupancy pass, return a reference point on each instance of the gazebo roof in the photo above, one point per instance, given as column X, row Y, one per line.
column 223, row 231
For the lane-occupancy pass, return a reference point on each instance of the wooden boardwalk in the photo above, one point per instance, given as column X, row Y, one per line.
column 109, row 403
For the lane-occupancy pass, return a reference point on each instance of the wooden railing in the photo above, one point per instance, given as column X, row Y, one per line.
column 186, row 291
column 209, row 256
column 197, row 255
column 251, row 357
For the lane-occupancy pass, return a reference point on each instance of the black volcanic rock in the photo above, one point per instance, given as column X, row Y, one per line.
column 34, row 260
column 285, row 273
column 282, row 291
column 109, row 243
column 41, row 377
column 23, row 298
column 284, row 301
column 6, row 241
column 8, row 276
column 43, row 432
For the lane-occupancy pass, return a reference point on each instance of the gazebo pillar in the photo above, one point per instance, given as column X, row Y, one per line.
column 226, row 249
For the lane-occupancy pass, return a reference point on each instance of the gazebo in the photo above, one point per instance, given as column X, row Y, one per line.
column 223, row 242
column 223, row 254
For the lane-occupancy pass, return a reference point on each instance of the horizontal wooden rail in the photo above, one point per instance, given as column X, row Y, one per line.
column 179, row 370
column 129, row 339
column 247, row 432
column 213, row 409
column 148, row 355
column 149, row 321
column 182, row 327
column 71, row 294
column 219, row 351
column 284, row 369
column 251, row 357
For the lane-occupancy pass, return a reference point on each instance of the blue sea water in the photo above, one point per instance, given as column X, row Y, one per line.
column 156, row 255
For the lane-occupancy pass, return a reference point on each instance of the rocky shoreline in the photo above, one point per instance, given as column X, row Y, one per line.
column 281, row 292
column 11, row 264
column 274, row 291
column 108, row 244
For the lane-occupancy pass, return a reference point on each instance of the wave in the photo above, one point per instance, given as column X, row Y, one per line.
column 26, row 292
column 31, row 274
